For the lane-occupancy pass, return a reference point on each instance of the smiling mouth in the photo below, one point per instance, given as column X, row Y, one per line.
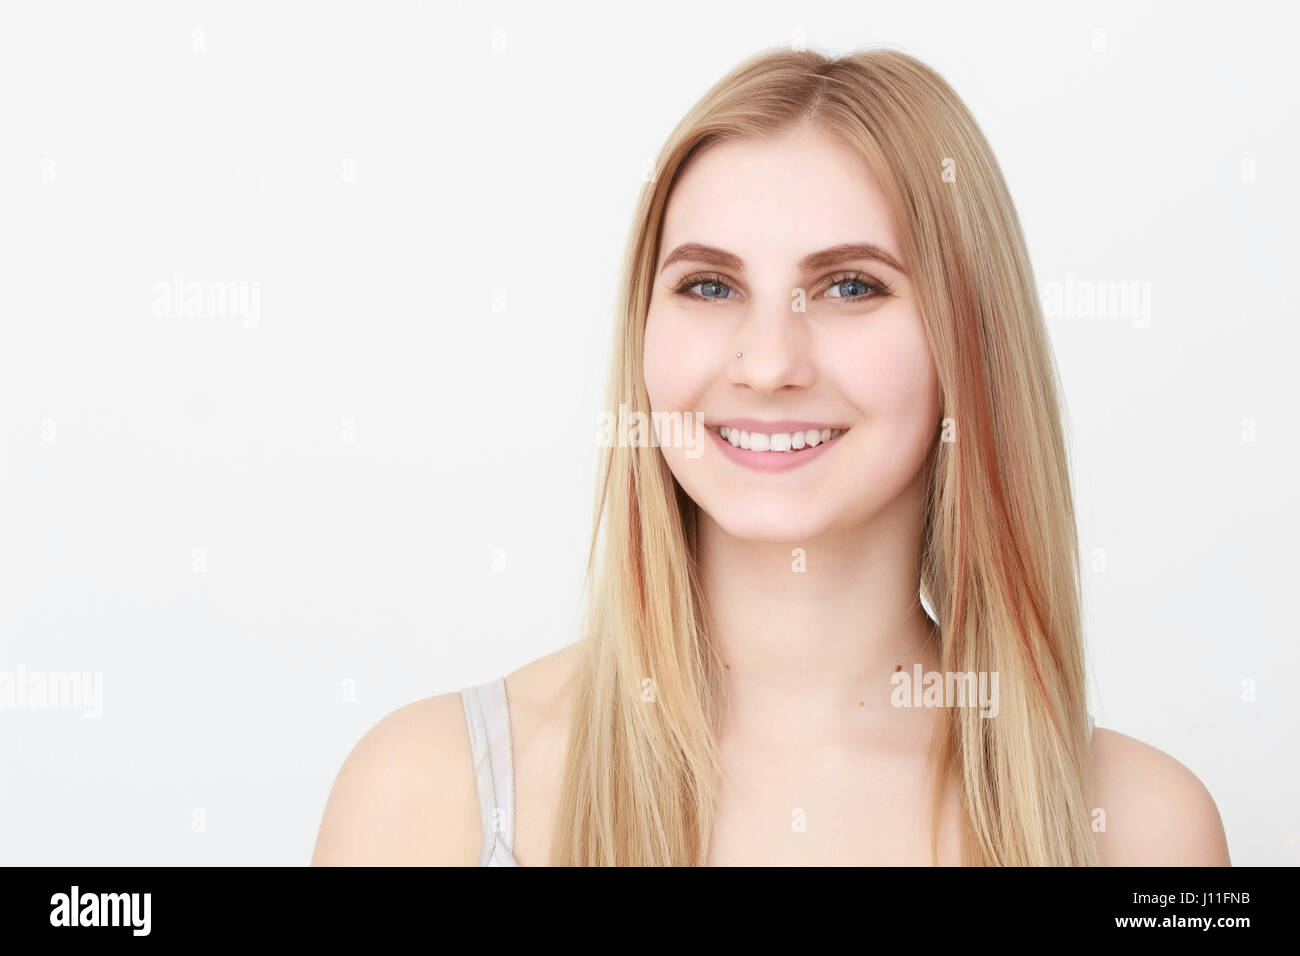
column 788, row 443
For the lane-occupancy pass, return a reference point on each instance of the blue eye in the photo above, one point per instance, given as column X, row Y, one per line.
column 863, row 288
column 714, row 286
column 847, row 287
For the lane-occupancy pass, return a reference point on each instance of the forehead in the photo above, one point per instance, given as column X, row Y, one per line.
column 773, row 200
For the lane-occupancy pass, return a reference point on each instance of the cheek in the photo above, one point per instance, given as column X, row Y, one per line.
column 888, row 374
column 679, row 363
column 680, row 356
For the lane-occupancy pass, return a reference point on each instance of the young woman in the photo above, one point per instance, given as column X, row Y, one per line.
column 828, row 271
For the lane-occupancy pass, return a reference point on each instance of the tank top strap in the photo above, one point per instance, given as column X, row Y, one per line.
column 487, row 713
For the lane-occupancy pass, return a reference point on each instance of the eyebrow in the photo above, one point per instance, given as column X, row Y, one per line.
column 824, row 259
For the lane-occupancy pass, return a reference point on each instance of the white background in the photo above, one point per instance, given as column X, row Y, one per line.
column 383, row 173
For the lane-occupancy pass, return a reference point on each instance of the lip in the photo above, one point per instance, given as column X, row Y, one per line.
column 775, row 427
column 772, row 460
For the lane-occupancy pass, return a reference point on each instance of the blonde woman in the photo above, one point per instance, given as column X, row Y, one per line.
column 827, row 278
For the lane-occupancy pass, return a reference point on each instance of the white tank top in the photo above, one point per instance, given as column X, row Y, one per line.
column 487, row 712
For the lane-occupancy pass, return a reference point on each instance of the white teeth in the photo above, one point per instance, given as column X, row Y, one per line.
column 781, row 441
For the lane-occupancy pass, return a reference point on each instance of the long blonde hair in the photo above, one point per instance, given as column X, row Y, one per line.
column 999, row 561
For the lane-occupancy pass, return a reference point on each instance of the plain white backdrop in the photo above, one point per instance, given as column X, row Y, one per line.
column 368, row 479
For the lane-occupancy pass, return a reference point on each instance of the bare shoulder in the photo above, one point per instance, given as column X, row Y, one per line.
column 405, row 795
column 1157, row 812
column 543, row 688
column 542, row 696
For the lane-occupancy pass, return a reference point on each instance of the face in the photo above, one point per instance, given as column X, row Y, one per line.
column 831, row 342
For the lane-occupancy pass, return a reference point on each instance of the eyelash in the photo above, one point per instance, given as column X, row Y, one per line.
column 876, row 287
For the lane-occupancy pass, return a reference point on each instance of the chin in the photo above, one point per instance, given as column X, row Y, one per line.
column 769, row 524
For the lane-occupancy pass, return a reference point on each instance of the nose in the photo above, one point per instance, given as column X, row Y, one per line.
column 772, row 349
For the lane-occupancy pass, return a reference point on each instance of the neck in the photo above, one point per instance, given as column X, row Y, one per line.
column 803, row 649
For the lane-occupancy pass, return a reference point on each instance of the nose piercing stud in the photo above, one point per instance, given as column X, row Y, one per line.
column 739, row 354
